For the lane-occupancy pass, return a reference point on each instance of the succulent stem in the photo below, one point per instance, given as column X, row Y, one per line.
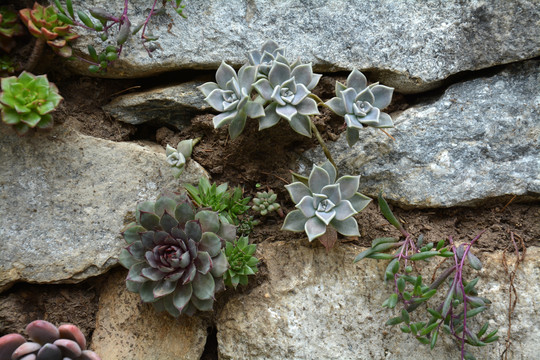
column 35, row 55
column 434, row 285
column 321, row 142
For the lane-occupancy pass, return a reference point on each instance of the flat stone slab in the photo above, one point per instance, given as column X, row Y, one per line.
column 174, row 105
column 318, row 305
column 480, row 140
column 126, row 328
column 65, row 197
column 410, row 45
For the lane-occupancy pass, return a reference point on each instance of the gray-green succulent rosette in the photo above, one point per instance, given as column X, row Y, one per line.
column 325, row 202
column 288, row 94
column 177, row 157
column 361, row 105
column 265, row 57
column 175, row 256
column 231, row 96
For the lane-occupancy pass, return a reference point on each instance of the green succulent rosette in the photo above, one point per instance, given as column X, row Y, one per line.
column 174, row 255
column 242, row 262
column 9, row 27
column 27, row 100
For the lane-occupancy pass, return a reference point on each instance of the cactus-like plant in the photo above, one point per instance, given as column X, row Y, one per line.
column 265, row 202
column 325, row 202
column 177, row 157
column 361, row 105
column 26, row 101
column 9, row 27
column 174, row 256
column 66, row 342
column 242, row 263
column 44, row 24
column 231, row 96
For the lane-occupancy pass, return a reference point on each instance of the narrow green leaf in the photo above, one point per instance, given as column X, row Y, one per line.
column 482, row 330
column 428, row 329
column 59, row 7
column 69, row 5
column 405, row 316
column 63, row 18
column 423, row 340
column 434, row 313
column 381, row 256
column 423, row 255
column 362, row 255
column 440, row 244
column 470, row 285
column 491, row 334
column 434, row 337
column 393, row 299
column 85, row 19
column 475, row 263
column 447, row 302
column 382, row 240
column 405, row 329
column 93, row 53
column 401, row 285
column 385, row 209
column 491, row 339
column 429, row 294
column 475, row 311
column 468, row 356
column 394, row 321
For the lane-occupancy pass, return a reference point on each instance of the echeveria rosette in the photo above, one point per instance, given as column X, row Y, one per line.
column 175, row 256
column 231, row 96
column 361, row 105
column 43, row 23
column 9, row 27
column 177, row 157
column 288, row 95
column 242, row 263
column 48, row 342
column 27, row 100
column 264, row 58
column 325, row 202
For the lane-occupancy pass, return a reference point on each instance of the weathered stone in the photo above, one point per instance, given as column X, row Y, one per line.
column 174, row 105
column 412, row 45
column 322, row 306
column 480, row 140
column 126, row 328
column 65, row 197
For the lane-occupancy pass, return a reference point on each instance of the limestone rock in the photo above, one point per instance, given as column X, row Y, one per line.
column 322, row 306
column 479, row 141
column 126, row 328
column 174, row 105
column 65, row 197
column 411, row 46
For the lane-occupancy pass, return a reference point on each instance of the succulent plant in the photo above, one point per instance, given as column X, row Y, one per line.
column 239, row 255
column 66, row 342
column 325, row 202
column 286, row 90
column 43, row 23
column 7, row 67
column 27, row 100
column 265, row 202
column 174, row 256
column 361, row 104
column 177, row 157
column 231, row 96
column 265, row 57
column 9, row 27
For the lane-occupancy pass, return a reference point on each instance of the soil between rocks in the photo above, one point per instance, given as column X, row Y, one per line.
column 265, row 158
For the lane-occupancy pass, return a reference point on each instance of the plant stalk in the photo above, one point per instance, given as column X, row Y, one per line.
column 321, row 142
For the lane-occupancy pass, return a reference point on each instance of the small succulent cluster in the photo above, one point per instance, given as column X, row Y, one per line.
column 324, row 202
column 9, row 27
column 230, row 204
column 66, row 342
column 175, row 256
column 283, row 91
column 27, row 100
column 460, row 301
column 241, row 260
column 361, row 104
column 45, row 24
column 265, row 202
column 177, row 157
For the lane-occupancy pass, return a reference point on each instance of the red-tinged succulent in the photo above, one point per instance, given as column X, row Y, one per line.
column 48, row 342
column 175, row 256
column 43, row 23
column 9, row 27
column 26, row 101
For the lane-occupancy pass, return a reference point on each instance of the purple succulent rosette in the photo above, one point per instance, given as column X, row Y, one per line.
column 361, row 105
column 287, row 92
column 231, row 96
column 48, row 342
column 175, row 256
column 325, row 202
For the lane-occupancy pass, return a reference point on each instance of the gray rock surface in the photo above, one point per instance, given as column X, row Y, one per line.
column 322, row 306
column 479, row 141
column 410, row 45
column 65, row 197
column 126, row 328
column 174, row 105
